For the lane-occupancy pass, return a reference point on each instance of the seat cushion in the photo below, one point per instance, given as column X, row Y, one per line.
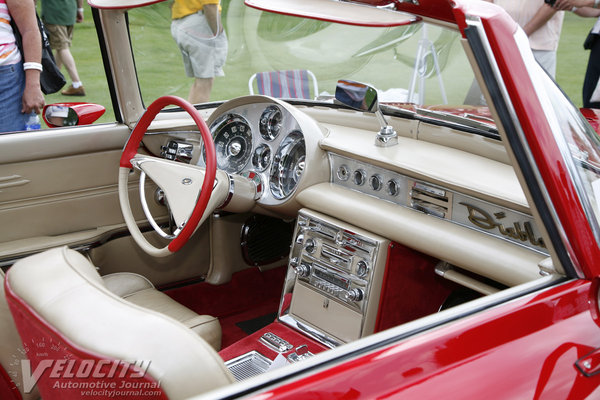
column 140, row 291
column 52, row 300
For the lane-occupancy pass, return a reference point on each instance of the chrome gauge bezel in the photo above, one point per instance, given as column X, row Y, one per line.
column 239, row 148
column 264, row 149
column 262, row 157
column 288, row 166
column 270, row 123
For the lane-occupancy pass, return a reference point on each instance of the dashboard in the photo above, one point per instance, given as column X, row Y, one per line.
column 450, row 203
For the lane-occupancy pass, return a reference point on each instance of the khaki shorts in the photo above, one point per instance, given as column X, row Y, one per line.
column 204, row 54
column 60, row 36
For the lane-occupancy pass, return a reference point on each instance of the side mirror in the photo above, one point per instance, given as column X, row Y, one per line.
column 364, row 98
column 71, row 114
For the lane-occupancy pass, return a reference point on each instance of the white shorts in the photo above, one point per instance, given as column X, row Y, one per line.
column 547, row 59
column 204, row 54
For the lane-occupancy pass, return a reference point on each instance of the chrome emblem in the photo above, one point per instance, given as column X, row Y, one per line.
column 186, row 181
column 486, row 221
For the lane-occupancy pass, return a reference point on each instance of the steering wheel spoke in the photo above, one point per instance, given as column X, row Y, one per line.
column 192, row 192
column 181, row 184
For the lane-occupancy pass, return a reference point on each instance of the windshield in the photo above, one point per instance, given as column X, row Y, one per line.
column 418, row 63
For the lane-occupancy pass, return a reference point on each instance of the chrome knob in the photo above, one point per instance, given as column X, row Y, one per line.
column 303, row 270
column 310, row 246
column 359, row 177
column 362, row 269
column 355, row 295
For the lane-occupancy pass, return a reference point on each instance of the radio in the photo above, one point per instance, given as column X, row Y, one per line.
column 335, row 273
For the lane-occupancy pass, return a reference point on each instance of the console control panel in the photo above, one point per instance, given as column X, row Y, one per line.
column 335, row 273
column 334, row 260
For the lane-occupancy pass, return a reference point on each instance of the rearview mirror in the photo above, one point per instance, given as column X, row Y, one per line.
column 357, row 95
column 364, row 98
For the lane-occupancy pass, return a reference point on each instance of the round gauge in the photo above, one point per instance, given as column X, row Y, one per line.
column 288, row 165
column 270, row 122
column 233, row 143
column 261, row 159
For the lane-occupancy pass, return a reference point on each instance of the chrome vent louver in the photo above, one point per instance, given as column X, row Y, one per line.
column 431, row 200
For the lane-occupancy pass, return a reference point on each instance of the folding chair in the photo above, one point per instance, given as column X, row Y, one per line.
column 291, row 84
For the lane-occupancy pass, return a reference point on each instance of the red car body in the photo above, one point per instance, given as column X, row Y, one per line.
column 534, row 340
column 542, row 345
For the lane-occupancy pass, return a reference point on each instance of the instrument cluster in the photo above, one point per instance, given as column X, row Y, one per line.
column 263, row 142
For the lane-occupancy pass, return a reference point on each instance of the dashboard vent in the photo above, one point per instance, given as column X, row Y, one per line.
column 431, row 200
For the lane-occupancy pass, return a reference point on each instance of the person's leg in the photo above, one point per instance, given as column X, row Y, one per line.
column 64, row 57
column 200, row 90
column 547, row 59
column 200, row 50
column 60, row 40
column 592, row 74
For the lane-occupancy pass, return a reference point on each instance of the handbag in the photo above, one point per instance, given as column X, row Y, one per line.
column 51, row 79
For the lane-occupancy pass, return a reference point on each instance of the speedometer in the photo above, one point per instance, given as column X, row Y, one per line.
column 233, row 142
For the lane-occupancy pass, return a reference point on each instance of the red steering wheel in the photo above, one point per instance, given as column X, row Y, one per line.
column 176, row 177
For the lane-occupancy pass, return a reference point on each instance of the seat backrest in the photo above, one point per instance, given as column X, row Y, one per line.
column 93, row 339
column 11, row 355
column 293, row 84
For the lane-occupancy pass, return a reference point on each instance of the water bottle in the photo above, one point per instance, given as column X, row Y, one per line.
column 32, row 123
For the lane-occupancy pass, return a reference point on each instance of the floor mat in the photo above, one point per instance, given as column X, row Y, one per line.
column 256, row 324
column 250, row 295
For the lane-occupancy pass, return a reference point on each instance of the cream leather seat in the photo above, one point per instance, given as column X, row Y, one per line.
column 58, row 298
column 139, row 290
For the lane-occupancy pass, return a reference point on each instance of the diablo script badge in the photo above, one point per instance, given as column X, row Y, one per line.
column 499, row 224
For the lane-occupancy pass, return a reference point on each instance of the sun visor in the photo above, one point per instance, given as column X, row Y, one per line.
column 336, row 11
column 121, row 4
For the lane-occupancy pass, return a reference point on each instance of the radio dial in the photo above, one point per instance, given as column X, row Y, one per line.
column 355, row 295
column 309, row 246
column 362, row 269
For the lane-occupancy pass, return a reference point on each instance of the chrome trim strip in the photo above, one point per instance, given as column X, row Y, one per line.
column 313, row 333
column 521, row 39
column 230, row 194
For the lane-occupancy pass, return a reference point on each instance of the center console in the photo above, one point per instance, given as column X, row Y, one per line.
column 331, row 296
column 333, row 285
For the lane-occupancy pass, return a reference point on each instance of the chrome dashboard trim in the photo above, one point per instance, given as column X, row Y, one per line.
column 313, row 333
column 480, row 215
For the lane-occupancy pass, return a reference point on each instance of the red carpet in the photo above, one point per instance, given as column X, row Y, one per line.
column 249, row 295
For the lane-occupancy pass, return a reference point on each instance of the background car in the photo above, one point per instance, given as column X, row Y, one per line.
column 425, row 223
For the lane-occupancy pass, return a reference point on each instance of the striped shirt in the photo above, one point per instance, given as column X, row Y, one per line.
column 9, row 53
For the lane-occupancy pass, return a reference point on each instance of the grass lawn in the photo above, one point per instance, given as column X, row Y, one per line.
column 572, row 58
column 149, row 26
